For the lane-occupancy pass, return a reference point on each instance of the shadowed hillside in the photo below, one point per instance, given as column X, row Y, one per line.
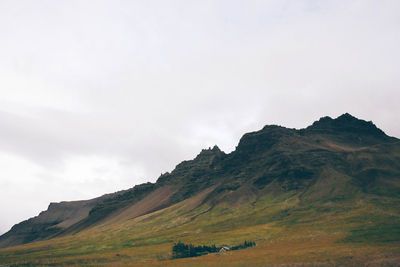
column 337, row 180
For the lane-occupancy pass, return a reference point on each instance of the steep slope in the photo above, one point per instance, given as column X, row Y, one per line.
column 72, row 216
column 334, row 160
column 57, row 218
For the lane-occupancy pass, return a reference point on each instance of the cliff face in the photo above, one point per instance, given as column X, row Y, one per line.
column 331, row 159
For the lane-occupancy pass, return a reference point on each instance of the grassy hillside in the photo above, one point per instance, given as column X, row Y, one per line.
column 327, row 195
column 286, row 230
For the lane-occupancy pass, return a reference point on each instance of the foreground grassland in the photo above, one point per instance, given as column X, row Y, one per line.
column 287, row 232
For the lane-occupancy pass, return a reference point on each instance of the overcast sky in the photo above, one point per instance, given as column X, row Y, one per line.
column 97, row 96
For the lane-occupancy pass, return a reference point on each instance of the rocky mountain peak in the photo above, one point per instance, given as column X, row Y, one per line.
column 346, row 123
column 210, row 152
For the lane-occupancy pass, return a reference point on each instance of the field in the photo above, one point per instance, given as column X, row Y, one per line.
column 287, row 231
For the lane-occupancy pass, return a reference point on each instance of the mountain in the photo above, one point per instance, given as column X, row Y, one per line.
column 337, row 180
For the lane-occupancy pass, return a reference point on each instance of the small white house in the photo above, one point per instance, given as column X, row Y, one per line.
column 224, row 248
